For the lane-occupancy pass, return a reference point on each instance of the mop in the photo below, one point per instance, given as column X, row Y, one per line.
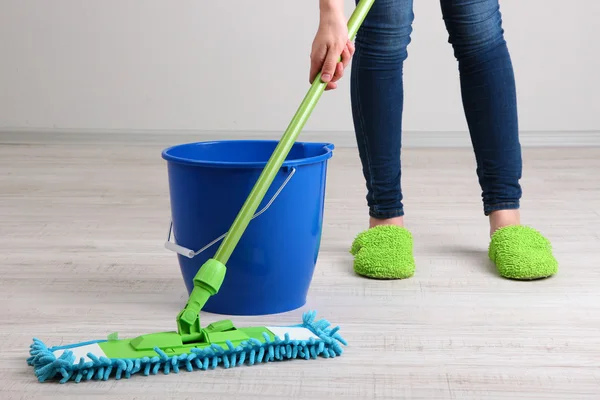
column 221, row 343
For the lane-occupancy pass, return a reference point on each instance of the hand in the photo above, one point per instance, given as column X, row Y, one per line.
column 331, row 42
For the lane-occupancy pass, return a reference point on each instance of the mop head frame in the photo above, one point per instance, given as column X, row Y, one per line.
column 309, row 340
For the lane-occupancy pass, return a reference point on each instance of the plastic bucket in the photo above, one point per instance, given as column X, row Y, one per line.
column 271, row 269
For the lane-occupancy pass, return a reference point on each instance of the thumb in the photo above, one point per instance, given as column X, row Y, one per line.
column 329, row 66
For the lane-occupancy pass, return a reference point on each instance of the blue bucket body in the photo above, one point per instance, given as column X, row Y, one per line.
column 271, row 269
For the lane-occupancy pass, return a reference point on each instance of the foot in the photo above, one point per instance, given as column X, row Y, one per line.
column 519, row 252
column 384, row 251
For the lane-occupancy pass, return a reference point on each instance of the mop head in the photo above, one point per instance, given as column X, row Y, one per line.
column 103, row 359
column 384, row 252
column 522, row 253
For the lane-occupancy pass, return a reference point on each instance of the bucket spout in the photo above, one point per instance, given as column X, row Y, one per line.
column 316, row 149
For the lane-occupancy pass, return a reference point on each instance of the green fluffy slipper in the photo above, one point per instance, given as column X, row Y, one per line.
column 384, row 252
column 522, row 253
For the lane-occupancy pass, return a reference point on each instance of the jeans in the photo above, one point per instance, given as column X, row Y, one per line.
column 488, row 93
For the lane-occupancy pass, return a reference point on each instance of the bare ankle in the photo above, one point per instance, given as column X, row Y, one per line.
column 398, row 221
column 501, row 218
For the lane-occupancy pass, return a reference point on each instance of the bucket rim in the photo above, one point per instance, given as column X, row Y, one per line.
column 327, row 154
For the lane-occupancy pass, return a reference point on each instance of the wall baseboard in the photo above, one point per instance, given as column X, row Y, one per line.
column 340, row 138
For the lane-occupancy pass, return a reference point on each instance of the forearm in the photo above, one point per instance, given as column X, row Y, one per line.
column 328, row 7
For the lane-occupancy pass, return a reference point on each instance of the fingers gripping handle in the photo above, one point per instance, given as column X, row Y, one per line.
column 354, row 23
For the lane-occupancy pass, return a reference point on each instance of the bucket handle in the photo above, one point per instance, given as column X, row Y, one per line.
column 191, row 253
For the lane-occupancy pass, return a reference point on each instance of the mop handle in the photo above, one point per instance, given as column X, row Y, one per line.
column 283, row 148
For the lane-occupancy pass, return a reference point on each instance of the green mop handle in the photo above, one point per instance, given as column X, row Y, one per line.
column 210, row 276
column 283, row 148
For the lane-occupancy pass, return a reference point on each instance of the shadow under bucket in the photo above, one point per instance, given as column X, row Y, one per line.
column 271, row 269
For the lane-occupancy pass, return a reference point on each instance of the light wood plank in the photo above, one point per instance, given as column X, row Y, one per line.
column 81, row 255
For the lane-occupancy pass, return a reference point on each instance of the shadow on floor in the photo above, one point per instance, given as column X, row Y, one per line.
column 475, row 255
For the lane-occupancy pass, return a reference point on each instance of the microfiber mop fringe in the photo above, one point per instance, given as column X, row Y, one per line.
column 47, row 366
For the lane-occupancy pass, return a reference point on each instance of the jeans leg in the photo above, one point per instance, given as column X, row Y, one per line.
column 489, row 97
column 377, row 97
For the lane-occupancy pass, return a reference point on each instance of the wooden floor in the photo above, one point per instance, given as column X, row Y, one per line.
column 81, row 255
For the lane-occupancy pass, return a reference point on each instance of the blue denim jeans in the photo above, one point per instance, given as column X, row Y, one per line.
column 488, row 97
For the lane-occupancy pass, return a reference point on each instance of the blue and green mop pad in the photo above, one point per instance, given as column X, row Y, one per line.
column 221, row 345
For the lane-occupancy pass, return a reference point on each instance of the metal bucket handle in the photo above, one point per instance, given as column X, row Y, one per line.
column 191, row 253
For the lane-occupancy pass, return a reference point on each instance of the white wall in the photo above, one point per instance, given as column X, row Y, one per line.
column 179, row 65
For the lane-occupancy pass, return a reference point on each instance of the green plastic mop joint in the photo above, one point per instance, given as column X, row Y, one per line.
column 207, row 282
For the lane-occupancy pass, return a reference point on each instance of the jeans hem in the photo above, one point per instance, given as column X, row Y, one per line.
column 386, row 214
column 489, row 208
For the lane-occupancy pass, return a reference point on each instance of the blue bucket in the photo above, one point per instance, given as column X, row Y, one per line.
column 271, row 269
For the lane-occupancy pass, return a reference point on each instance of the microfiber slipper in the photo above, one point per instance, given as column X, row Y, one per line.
column 522, row 253
column 384, row 252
